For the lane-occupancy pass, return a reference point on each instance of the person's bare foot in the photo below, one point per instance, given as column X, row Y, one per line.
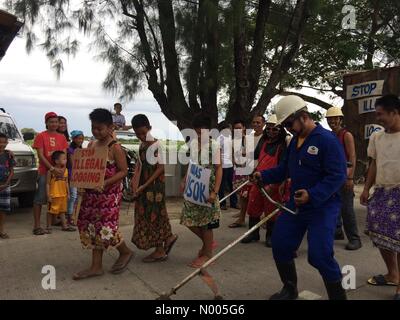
column 88, row 273
column 122, row 262
column 169, row 243
column 214, row 245
column 391, row 278
column 156, row 256
column 199, row 261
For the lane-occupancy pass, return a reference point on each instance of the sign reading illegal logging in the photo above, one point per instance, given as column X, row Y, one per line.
column 88, row 168
column 370, row 129
column 197, row 188
column 367, row 105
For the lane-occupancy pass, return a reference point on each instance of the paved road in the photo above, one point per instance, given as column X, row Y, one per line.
column 246, row 272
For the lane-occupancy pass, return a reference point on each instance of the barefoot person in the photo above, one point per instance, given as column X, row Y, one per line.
column 383, row 219
column 201, row 220
column 152, row 227
column 99, row 213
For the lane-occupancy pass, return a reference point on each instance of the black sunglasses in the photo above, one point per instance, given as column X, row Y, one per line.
column 273, row 129
column 289, row 122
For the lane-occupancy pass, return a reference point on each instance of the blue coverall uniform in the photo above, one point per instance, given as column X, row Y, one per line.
column 318, row 166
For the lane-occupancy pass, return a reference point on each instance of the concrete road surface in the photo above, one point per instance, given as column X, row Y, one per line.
column 246, row 272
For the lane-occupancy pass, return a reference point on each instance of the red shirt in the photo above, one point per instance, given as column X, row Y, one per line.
column 49, row 142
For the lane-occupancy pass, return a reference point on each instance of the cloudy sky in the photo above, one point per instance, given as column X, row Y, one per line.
column 29, row 89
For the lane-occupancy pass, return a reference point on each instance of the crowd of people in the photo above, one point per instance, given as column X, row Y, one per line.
column 300, row 163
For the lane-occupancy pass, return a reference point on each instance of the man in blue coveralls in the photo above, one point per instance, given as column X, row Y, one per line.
column 316, row 164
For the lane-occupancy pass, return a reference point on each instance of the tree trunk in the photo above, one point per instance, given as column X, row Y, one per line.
column 211, row 64
column 257, row 52
column 296, row 28
column 195, row 64
column 238, row 109
column 176, row 98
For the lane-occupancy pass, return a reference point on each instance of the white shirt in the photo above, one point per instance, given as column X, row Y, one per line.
column 225, row 143
column 385, row 149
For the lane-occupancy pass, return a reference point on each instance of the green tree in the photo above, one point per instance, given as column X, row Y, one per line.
column 227, row 57
column 28, row 130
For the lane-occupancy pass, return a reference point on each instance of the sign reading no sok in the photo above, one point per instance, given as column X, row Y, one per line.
column 88, row 168
column 197, row 188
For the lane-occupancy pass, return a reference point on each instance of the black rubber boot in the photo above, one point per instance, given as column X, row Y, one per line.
column 255, row 235
column 339, row 234
column 268, row 236
column 335, row 290
column 287, row 272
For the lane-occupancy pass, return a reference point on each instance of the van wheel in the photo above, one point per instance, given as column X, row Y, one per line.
column 25, row 200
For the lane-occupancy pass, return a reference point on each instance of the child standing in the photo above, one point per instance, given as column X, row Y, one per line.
column 7, row 164
column 77, row 141
column 99, row 213
column 58, row 192
column 202, row 220
column 152, row 228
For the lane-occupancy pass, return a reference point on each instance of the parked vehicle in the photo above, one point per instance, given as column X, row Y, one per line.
column 23, row 184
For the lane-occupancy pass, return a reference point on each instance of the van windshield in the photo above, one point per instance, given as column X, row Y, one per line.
column 8, row 128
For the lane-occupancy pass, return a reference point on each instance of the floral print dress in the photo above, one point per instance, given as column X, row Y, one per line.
column 152, row 227
column 194, row 215
column 99, row 215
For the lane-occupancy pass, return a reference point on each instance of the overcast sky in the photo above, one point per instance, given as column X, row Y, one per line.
column 29, row 89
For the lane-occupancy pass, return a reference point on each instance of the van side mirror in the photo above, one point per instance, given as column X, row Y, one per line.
column 28, row 136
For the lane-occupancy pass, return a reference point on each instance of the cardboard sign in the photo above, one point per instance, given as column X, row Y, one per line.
column 89, row 167
column 197, row 188
column 367, row 105
column 365, row 89
column 370, row 129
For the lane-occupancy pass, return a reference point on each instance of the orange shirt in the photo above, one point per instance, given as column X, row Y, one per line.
column 49, row 142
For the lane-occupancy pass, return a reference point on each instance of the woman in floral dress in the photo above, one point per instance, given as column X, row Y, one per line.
column 152, row 228
column 99, row 213
column 201, row 220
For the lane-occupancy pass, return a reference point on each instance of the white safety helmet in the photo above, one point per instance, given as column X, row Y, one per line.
column 334, row 112
column 272, row 119
column 288, row 106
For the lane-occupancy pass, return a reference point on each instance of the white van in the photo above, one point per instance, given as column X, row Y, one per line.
column 23, row 184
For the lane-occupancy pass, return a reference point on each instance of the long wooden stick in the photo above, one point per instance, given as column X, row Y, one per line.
column 234, row 191
column 218, row 255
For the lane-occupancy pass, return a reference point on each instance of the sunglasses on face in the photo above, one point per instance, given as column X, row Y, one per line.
column 288, row 124
column 273, row 129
